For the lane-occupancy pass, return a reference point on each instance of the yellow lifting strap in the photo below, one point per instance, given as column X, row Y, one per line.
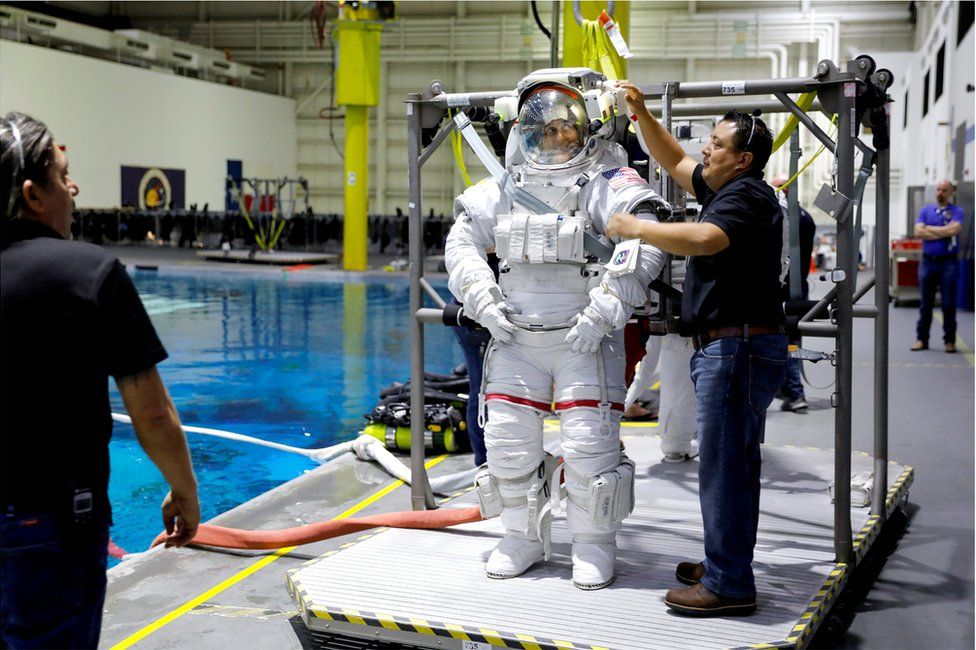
column 598, row 52
column 805, row 102
column 789, row 182
column 459, row 154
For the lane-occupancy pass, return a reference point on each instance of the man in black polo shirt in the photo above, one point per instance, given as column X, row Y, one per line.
column 70, row 319
column 732, row 308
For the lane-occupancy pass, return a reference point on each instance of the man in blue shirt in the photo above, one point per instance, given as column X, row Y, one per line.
column 938, row 225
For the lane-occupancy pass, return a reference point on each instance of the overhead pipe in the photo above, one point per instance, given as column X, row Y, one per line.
column 278, row 40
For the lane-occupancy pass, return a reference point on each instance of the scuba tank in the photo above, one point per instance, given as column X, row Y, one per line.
column 445, row 403
column 390, row 424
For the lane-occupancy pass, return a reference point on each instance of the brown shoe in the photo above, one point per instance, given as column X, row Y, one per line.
column 699, row 601
column 919, row 345
column 690, row 573
column 950, row 348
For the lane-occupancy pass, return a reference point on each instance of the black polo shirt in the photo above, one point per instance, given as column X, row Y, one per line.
column 69, row 318
column 739, row 285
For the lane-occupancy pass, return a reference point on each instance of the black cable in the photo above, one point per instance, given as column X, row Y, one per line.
column 538, row 21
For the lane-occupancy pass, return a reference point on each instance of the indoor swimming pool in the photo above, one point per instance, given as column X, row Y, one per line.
column 290, row 357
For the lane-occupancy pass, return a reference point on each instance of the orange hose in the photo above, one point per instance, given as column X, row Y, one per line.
column 115, row 550
column 274, row 539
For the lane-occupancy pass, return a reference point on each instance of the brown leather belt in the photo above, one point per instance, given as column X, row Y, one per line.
column 742, row 331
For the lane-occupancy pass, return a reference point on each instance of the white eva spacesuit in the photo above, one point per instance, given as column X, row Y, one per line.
column 556, row 318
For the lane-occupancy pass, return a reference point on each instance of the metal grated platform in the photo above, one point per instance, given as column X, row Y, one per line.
column 429, row 588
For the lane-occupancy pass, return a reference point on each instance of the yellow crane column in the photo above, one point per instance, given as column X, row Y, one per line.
column 357, row 88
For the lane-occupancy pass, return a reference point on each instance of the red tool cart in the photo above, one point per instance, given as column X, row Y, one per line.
column 904, row 258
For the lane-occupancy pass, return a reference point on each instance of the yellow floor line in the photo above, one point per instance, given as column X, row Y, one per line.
column 639, row 425
column 552, row 425
column 966, row 350
column 254, row 568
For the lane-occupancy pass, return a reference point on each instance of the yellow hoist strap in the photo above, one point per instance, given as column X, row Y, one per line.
column 459, row 155
column 807, row 164
column 598, row 53
column 804, row 102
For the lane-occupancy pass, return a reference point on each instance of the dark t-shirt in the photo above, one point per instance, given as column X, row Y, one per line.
column 808, row 231
column 739, row 285
column 70, row 318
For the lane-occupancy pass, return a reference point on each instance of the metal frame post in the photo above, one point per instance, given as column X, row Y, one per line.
column 420, row 494
column 667, row 183
column 844, row 316
column 667, row 190
column 554, row 35
column 882, row 272
column 793, row 209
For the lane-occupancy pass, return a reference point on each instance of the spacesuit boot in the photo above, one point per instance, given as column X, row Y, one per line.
column 525, row 509
column 594, row 552
column 595, row 512
column 518, row 550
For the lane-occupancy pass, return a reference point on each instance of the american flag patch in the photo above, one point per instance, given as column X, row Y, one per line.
column 623, row 176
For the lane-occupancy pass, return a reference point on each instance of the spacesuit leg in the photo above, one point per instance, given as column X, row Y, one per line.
column 677, row 413
column 517, row 396
column 597, row 475
column 644, row 378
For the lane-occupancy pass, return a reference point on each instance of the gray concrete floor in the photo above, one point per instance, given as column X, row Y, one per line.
column 922, row 599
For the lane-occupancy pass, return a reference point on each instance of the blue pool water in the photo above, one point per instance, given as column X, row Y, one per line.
column 286, row 357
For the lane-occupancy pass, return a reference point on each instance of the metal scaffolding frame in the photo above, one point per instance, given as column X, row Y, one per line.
column 837, row 92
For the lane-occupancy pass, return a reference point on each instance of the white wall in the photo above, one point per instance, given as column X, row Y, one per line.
column 923, row 150
column 109, row 115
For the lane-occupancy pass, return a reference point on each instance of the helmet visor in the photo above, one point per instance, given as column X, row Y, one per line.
column 552, row 124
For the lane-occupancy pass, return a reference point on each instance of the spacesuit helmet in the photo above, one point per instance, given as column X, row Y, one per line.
column 552, row 126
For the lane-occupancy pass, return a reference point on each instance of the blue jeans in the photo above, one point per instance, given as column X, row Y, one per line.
column 473, row 344
column 52, row 588
column 942, row 276
column 793, row 384
column 735, row 381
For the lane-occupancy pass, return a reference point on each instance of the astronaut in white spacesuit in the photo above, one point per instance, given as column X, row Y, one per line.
column 556, row 317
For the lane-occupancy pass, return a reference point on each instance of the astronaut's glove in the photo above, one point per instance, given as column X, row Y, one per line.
column 483, row 301
column 493, row 317
column 589, row 331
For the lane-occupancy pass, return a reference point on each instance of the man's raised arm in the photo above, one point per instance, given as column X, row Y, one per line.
column 660, row 144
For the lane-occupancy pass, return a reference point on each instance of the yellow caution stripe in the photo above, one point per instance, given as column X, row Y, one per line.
column 425, row 627
column 899, row 489
column 814, row 613
column 834, row 584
